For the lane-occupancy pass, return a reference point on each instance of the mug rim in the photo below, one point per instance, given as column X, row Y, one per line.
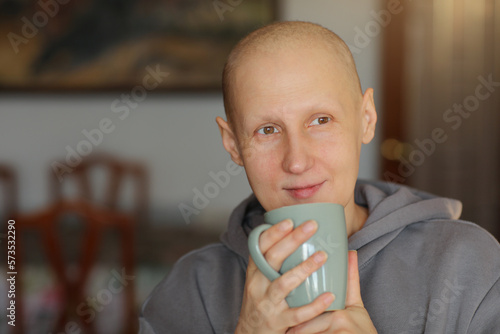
column 303, row 204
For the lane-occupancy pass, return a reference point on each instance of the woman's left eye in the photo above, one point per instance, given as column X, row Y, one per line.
column 321, row 120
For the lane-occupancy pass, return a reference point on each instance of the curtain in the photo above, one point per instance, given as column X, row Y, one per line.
column 442, row 132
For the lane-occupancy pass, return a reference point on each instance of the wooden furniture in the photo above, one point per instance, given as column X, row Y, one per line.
column 96, row 220
column 8, row 209
column 99, row 214
column 8, row 187
column 118, row 172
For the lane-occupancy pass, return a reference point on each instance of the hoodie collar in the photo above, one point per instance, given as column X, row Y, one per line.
column 391, row 208
column 244, row 218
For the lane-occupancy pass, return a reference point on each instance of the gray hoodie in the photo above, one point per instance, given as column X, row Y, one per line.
column 421, row 270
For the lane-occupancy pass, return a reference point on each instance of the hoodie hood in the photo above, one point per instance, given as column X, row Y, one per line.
column 391, row 208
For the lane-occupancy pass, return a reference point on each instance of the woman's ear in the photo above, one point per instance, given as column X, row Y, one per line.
column 229, row 140
column 369, row 116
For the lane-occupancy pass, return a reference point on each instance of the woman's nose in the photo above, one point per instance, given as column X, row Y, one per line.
column 298, row 156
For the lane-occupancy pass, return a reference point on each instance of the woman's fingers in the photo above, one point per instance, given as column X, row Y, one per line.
column 266, row 300
column 282, row 286
column 268, row 238
column 299, row 315
column 285, row 246
column 274, row 234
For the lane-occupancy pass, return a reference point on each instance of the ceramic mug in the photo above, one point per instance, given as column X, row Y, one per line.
column 331, row 237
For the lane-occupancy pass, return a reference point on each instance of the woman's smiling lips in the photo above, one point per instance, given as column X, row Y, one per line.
column 304, row 192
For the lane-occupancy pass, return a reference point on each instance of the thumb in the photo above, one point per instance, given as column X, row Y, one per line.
column 251, row 267
column 353, row 296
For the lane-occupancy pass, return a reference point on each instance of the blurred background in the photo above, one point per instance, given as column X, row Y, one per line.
column 111, row 162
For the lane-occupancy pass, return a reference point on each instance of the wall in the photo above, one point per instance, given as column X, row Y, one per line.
column 175, row 134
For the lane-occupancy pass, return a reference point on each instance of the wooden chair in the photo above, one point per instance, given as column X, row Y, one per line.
column 8, row 210
column 118, row 171
column 96, row 220
column 8, row 185
column 98, row 217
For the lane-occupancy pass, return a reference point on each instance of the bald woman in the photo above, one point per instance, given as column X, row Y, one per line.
column 296, row 121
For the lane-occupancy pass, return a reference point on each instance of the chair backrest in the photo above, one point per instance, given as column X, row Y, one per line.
column 95, row 220
column 8, row 188
column 97, row 217
column 106, row 189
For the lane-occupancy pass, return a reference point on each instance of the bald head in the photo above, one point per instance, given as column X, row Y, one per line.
column 287, row 36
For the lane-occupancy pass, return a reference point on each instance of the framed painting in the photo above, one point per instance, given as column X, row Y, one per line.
column 99, row 45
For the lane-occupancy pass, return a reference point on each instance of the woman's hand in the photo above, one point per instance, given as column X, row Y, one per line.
column 353, row 319
column 264, row 308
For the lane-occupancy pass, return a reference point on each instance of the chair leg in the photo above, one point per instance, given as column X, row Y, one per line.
column 128, row 260
column 20, row 314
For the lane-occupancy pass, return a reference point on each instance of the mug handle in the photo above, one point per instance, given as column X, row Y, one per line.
column 258, row 258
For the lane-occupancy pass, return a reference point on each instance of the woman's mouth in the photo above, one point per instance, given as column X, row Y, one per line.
column 304, row 192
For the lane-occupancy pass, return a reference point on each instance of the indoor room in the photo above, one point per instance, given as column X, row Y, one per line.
column 115, row 163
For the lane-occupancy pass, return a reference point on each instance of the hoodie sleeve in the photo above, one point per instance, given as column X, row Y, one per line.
column 487, row 316
column 202, row 294
column 176, row 305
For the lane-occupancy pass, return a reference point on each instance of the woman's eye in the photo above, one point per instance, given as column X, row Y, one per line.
column 267, row 130
column 321, row 120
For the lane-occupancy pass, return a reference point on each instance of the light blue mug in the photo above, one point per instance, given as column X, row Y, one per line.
column 330, row 237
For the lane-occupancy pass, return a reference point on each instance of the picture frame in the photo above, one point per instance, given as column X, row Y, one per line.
column 105, row 45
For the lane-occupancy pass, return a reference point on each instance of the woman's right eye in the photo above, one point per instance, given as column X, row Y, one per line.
column 267, row 130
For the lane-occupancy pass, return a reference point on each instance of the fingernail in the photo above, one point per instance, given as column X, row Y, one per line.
column 328, row 299
column 309, row 226
column 286, row 225
column 319, row 257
